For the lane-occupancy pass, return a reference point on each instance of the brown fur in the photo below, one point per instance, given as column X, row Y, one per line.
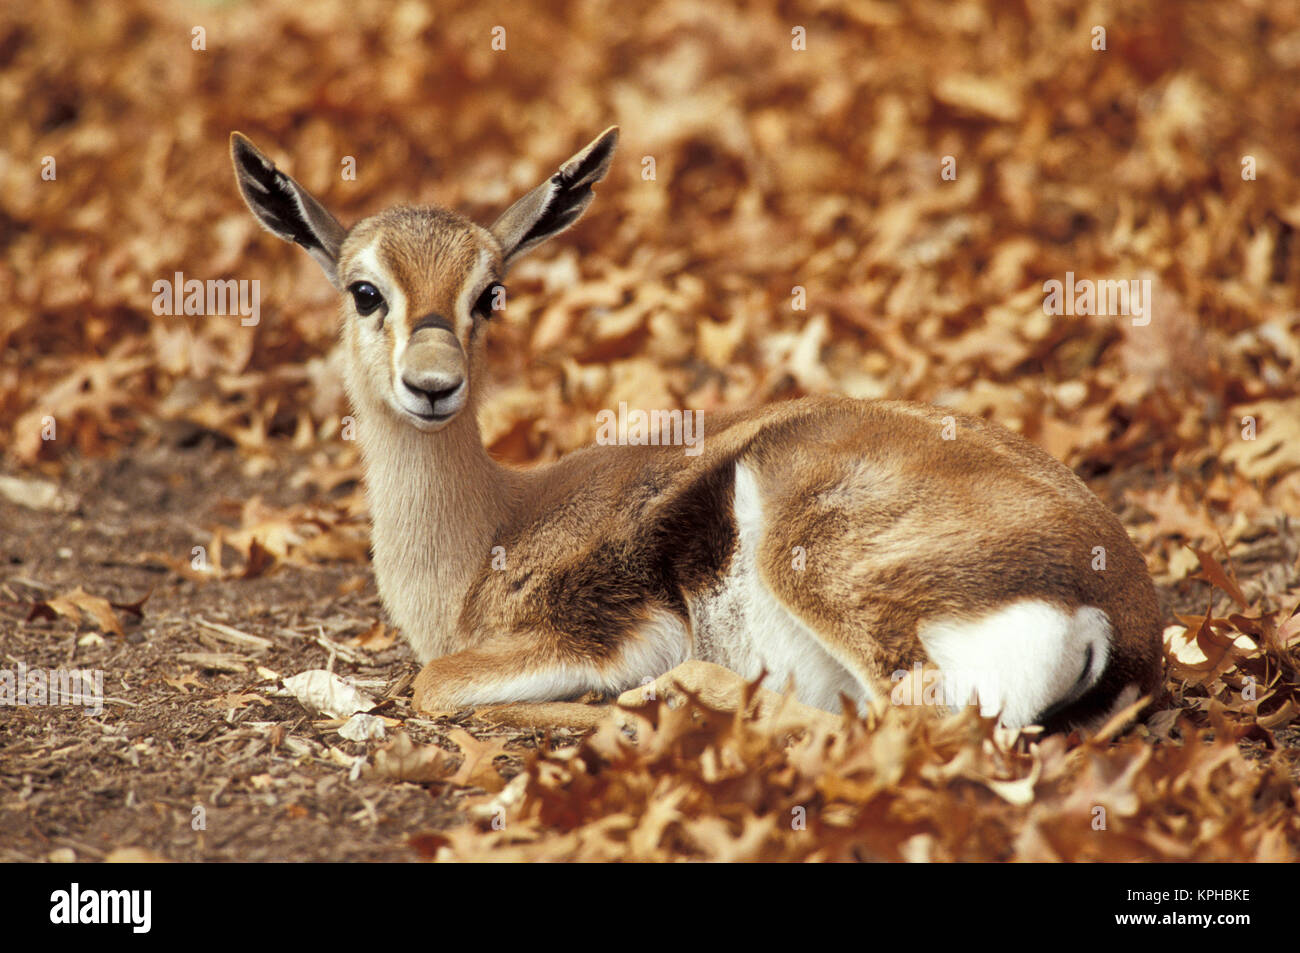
column 607, row 550
column 919, row 527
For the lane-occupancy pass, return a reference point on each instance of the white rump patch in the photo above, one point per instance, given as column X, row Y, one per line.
column 1020, row 659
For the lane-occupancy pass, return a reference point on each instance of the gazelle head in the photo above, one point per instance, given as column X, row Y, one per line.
column 417, row 283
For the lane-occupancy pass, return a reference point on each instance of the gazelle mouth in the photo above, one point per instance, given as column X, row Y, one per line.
column 432, row 418
column 433, row 413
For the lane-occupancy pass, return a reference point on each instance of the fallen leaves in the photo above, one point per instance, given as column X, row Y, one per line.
column 776, row 170
column 403, row 760
column 80, row 606
column 1273, row 448
column 235, row 701
column 301, row 534
column 477, row 768
column 36, row 494
column 377, row 638
column 1242, row 662
column 324, row 691
column 769, row 178
column 185, row 682
column 704, row 784
column 268, row 537
column 80, row 403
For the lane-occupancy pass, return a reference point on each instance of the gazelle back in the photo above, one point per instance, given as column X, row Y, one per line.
column 835, row 542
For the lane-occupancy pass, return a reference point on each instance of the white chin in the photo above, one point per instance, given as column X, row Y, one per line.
column 427, row 418
column 427, row 422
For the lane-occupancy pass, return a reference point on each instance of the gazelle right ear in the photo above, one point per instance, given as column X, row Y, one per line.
column 558, row 202
column 284, row 207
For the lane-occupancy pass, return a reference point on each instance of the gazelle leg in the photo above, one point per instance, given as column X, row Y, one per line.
column 549, row 667
column 480, row 677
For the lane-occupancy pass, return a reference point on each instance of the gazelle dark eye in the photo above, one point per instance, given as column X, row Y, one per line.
column 491, row 300
column 366, row 297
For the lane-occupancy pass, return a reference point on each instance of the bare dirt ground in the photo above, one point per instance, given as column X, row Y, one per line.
column 192, row 727
column 177, row 734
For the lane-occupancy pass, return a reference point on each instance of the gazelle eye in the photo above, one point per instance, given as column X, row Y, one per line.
column 491, row 300
column 366, row 297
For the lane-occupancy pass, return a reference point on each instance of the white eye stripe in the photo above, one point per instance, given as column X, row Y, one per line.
column 367, row 267
column 474, row 284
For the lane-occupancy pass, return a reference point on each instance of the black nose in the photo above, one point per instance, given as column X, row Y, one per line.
column 436, row 393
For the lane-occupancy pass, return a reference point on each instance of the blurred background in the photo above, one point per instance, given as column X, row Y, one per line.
column 862, row 198
column 809, row 197
column 774, row 168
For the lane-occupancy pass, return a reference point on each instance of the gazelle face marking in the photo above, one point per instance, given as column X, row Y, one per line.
column 416, row 351
column 414, row 279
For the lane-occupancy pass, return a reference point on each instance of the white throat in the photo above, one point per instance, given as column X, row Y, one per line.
column 436, row 501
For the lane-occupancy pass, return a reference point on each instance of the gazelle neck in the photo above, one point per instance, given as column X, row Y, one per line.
column 436, row 501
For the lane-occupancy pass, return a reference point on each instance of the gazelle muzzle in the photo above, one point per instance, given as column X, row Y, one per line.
column 432, row 372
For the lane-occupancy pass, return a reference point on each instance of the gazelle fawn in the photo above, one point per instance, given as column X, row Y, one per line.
column 829, row 541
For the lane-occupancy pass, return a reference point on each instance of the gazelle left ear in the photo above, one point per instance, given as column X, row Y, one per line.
column 558, row 202
column 284, row 207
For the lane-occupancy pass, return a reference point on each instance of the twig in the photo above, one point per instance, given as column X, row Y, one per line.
column 334, row 648
column 255, row 643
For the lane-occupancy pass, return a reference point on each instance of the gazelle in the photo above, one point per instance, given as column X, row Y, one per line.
column 829, row 541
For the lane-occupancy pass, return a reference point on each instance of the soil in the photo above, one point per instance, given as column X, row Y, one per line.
column 177, row 747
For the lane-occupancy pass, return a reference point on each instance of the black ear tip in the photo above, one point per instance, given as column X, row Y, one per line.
column 244, row 153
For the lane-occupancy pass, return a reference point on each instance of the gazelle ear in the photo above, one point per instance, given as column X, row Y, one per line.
column 284, row 207
column 558, row 202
